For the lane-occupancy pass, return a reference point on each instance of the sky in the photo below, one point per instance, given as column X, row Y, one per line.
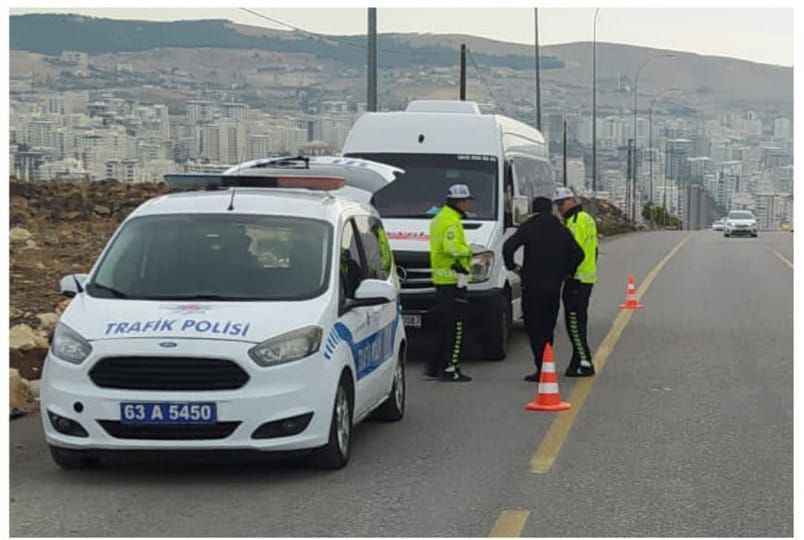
column 757, row 34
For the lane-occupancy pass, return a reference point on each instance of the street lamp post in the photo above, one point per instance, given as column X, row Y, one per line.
column 594, row 106
column 636, row 146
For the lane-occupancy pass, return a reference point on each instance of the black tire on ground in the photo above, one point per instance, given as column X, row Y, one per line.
column 497, row 339
column 393, row 409
column 69, row 459
column 335, row 455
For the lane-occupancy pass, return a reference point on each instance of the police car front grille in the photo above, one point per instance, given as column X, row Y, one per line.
column 167, row 373
column 118, row 430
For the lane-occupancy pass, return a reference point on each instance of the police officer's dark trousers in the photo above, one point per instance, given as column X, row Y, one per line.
column 540, row 310
column 576, row 306
column 450, row 313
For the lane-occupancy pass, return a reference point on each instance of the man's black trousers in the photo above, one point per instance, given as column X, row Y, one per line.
column 576, row 306
column 450, row 313
column 540, row 311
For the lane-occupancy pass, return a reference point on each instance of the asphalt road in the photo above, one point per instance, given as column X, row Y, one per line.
column 686, row 431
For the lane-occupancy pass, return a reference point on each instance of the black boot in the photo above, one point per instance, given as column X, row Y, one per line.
column 454, row 375
column 577, row 370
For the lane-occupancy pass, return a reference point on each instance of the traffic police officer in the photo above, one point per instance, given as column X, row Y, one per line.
column 578, row 289
column 450, row 259
column 551, row 255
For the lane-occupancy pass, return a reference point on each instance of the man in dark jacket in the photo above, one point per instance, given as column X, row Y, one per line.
column 551, row 255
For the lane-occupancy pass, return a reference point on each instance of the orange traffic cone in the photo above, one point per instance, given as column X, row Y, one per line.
column 631, row 301
column 548, row 398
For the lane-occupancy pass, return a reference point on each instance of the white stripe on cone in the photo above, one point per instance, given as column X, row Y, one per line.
column 548, row 367
column 548, row 388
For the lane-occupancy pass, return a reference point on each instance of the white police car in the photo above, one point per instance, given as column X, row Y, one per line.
column 239, row 318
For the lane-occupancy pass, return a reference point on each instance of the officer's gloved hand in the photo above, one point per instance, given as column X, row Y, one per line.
column 457, row 268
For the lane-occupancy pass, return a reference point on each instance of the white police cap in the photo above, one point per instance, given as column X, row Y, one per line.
column 563, row 193
column 459, row 191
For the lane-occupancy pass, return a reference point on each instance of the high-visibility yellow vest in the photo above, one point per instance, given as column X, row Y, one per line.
column 583, row 228
column 448, row 246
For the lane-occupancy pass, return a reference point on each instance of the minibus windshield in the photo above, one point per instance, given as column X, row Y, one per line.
column 421, row 191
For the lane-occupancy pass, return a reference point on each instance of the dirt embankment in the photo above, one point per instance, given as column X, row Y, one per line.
column 57, row 229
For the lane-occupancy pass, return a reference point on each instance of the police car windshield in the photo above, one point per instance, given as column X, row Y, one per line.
column 421, row 190
column 216, row 257
column 741, row 215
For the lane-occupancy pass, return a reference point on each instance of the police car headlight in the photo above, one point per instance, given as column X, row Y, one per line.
column 288, row 347
column 480, row 268
column 68, row 345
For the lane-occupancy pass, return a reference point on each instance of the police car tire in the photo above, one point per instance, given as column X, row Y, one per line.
column 497, row 343
column 391, row 410
column 69, row 459
column 330, row 456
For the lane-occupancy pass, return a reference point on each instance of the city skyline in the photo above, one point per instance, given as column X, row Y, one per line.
column 705, row 31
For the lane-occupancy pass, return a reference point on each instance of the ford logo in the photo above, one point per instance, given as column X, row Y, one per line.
column 168, row 344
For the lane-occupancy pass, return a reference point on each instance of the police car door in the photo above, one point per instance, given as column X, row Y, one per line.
column 353, row 327
column 383, row 319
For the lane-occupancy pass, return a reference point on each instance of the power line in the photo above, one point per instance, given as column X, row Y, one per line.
column 482, row 76
column 328, row 39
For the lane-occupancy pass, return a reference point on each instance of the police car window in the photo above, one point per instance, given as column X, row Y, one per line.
column 351, row 267
column 375, row 247
column 216, row 257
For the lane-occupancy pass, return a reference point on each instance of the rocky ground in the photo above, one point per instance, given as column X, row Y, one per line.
column 56, row 229
column 61, row 228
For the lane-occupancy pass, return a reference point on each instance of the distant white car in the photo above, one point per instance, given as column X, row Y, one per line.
column 718, row 225
column 740, row 222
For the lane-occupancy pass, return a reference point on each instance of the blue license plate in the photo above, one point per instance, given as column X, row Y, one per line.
column 168, row 413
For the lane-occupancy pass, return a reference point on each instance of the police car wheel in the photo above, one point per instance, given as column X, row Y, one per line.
column 69, row 459
column 335, row 454
column 393, row 408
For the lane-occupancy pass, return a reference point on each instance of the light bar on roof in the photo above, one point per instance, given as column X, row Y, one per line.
column 211, row 182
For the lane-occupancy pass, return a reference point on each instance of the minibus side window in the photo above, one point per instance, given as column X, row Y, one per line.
column 508, row 189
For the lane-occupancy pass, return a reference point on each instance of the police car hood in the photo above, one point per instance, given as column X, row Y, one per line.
column 414, row 234
column 103, row 319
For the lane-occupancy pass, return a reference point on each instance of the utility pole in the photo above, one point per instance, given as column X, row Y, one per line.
column 463, row 71
column 538, row 71
column 633, row 184
column 371, row 91
column 628, row 181
column 594, row 106
column 565, row 151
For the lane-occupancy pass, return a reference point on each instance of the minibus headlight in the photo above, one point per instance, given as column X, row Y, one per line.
column 480, row 268
column 288, row 347
column 68, row 345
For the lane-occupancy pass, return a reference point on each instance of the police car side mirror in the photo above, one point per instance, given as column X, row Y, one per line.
column 372, row 292
column 521, row 206
column 73, row 284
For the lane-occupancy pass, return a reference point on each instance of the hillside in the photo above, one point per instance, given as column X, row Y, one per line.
column 706, row 80
column 52, row 34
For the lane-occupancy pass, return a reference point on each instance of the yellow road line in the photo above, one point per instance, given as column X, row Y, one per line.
column 547, row 452
column 509, row 524
column 782, row 258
